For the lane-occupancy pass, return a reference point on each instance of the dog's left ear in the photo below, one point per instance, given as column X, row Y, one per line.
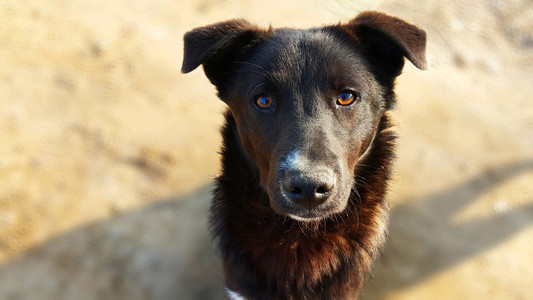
column 386, row 40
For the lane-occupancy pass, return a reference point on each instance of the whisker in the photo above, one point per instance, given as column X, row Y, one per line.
column 250, row 64
column 247, row 71
column 302, row 229
column 253, row 90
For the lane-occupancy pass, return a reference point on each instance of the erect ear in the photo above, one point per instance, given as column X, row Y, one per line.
column 217, row 47
column 386, row 40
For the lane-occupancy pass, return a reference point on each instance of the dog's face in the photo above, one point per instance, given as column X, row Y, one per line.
column 307, row 103
column 306, row 108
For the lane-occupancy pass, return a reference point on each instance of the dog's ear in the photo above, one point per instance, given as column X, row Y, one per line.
column 386, row 40
column 217, row 47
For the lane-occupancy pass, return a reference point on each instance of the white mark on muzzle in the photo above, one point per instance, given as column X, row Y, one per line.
column 294, row 161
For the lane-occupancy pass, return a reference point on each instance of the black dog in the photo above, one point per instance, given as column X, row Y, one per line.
column 299, row 208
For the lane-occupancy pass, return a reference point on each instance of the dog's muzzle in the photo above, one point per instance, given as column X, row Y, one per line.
column 308, row 189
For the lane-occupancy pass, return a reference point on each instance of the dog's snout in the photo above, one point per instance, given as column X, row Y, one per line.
column 308, row 189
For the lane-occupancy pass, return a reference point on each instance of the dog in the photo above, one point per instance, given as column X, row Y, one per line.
column 299, row 209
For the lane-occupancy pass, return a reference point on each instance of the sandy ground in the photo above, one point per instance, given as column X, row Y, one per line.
column 107, row 152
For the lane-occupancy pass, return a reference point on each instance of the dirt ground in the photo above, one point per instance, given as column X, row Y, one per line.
column 107, row 151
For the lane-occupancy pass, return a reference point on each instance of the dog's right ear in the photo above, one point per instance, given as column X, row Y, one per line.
column 217, row 47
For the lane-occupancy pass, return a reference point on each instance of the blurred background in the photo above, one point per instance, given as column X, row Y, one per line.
column 107, row 152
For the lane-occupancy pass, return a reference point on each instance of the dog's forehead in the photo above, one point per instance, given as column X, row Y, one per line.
column 304, row 65
column 313, row 54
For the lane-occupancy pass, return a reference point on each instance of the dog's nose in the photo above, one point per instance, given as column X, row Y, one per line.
column 308, row 189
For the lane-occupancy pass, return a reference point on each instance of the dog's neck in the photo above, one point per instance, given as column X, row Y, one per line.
column 269, row 256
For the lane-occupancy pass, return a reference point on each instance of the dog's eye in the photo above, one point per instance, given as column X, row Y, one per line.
column 264, row 102
column 346, row 98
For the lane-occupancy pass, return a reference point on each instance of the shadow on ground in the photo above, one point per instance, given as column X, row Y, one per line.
column 164, row 251
column 425, row 237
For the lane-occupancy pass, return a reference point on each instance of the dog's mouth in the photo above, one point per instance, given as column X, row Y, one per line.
column 309, row 216
column 284, row 205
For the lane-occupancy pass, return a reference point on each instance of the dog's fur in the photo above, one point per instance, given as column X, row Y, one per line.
column 275, row 245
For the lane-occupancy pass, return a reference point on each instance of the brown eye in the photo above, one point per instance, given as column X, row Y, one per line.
column 346, row 98
column 264, row 102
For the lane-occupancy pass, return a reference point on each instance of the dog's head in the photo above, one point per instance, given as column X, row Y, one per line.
column 307, row 103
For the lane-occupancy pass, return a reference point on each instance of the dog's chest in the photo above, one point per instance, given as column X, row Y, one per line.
column 233, row 295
